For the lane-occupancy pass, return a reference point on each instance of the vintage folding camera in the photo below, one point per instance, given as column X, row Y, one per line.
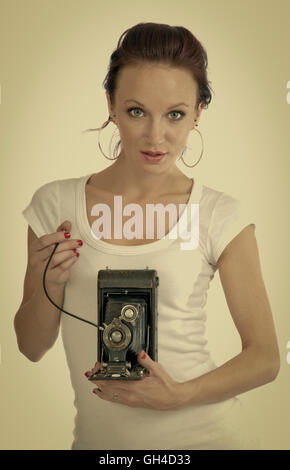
column 127, row 315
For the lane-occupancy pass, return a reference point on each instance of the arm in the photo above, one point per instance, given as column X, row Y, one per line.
column 37, row 323
column 37, row 320
column 246, row 296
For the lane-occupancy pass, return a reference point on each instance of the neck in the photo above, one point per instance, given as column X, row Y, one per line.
column 132, row 180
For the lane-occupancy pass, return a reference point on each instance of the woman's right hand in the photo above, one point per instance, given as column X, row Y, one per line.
column 64, row 257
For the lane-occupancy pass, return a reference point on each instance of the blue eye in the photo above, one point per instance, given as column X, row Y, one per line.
column 132, row 109
column 171, row 112
column 179, row 112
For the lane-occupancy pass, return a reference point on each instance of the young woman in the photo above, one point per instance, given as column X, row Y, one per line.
column 156, row 89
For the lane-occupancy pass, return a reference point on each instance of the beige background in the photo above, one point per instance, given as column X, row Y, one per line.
column 54, row 57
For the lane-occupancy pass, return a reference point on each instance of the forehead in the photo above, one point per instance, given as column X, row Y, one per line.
column 143, row 80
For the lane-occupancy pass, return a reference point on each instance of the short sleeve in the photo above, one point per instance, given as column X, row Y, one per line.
column 229, row 218
column 42, row 213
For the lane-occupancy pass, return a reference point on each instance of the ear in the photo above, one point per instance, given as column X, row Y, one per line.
column 199, row 109
column 197, row 114
column 110, row 109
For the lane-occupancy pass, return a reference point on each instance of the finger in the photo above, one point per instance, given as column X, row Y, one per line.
column 96, row 367
column 64, row 247
column 63, row 265
column 49, row 240
column 98, row 391
column 60, row 253
column 65, row 226
column 43, row 247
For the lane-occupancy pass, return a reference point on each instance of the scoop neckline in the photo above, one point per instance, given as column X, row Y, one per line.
column 101, row 245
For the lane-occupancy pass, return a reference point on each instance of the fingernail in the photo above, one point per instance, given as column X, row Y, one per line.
column 80, row 242
column 66, row 234
column 143, row 355
column 87, row 374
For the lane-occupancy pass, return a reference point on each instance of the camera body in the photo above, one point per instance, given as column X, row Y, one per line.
column 127, row 315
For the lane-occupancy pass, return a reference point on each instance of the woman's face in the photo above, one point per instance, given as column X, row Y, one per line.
column 149, row 113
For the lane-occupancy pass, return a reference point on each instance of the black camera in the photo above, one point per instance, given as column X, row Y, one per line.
column 127, row 315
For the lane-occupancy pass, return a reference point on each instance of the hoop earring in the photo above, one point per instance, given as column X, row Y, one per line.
column 191, row 166
column 100, row 129
column 116, row 147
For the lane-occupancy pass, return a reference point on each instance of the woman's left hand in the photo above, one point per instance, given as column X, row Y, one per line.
column 156, row 390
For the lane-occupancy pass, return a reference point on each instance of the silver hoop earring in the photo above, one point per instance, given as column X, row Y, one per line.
column 191, row 166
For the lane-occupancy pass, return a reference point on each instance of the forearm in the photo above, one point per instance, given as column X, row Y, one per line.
column 247, row 370
column 37, row 322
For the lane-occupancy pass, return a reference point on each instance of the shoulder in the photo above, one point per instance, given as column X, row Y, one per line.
column 50, row 195
column 219, row 208
column 218, row 200
column 54, row 186
column 223, row 217
column 216, row 206
column 47, row 188
column 48, row 202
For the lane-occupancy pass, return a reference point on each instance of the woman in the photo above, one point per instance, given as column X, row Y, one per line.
column 156, row 89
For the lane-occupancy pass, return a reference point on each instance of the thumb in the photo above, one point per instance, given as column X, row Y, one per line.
column 65, row 226
column 96, row 367
column 145, row 360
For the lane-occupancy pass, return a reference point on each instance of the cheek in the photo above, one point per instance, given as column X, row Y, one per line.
column 127, row 129
column 182, row 138
column 129, row 134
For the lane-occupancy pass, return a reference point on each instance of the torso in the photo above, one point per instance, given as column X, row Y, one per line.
column 96, row 193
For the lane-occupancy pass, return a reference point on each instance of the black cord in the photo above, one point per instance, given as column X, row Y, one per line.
column 44, row 275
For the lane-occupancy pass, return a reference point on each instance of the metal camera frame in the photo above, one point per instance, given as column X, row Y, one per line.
column 141, row 286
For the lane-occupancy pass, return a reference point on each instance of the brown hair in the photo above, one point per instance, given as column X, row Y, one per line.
column 155, row 42
column 161, row 43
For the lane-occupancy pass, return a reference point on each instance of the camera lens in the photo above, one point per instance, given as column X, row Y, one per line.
column 116, row 336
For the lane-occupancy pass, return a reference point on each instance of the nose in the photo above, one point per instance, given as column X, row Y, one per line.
column 155, row 132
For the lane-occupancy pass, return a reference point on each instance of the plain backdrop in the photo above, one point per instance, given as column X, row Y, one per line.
column 54, row 57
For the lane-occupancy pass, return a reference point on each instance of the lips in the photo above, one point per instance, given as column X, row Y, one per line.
column 153, row 158
column 153, row 154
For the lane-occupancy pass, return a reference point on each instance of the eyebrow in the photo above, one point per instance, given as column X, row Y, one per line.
column 170, row 107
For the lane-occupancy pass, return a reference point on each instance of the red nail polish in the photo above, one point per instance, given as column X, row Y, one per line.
column 143, row 355
column 66, row 234
column 87, row 374
column 80, row 242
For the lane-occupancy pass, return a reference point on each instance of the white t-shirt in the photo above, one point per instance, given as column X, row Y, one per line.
column 184, row 279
